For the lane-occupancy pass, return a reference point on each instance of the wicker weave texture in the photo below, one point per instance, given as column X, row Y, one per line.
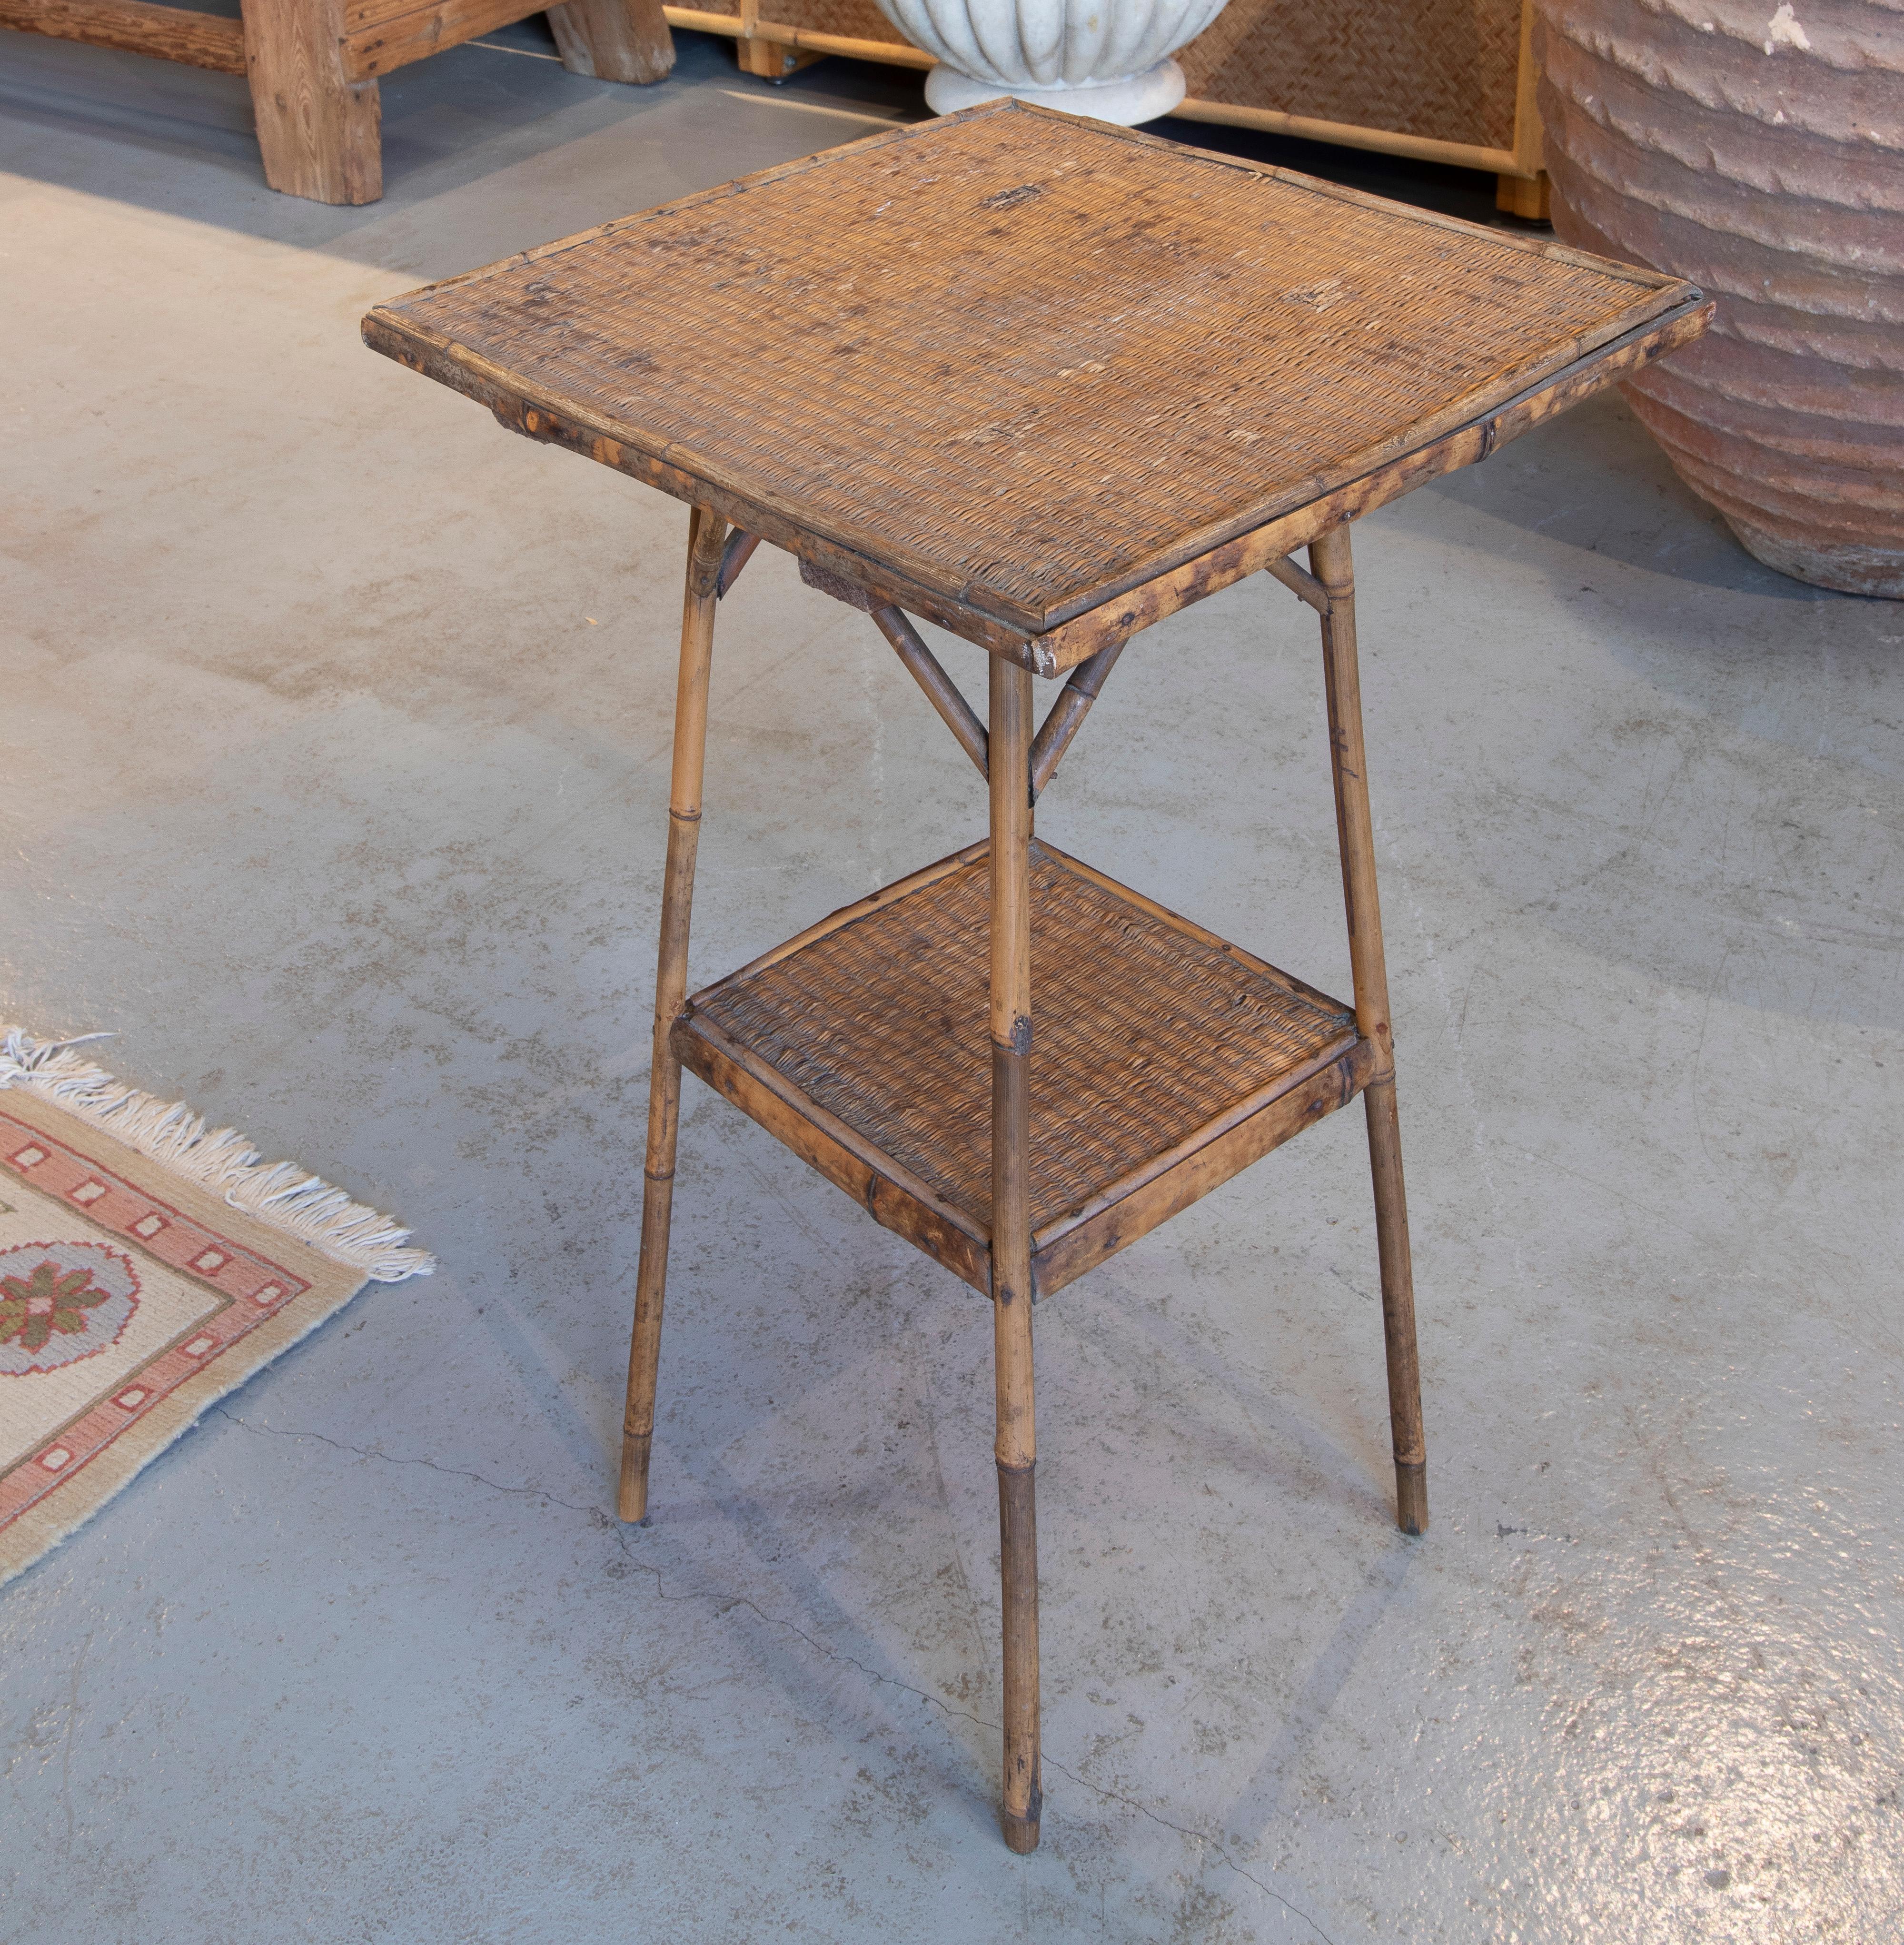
column 1023, row 359
column 858, row 20
column 1444, row 69
column 1144, row 1033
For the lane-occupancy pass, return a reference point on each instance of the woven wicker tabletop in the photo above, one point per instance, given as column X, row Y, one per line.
column 1022, row 358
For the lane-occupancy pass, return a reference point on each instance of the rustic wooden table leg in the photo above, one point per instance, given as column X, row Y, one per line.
column 1330, row 557
column 1515, row 195
column 772, row 60
column 615, row 40
column 706, row 535
column 1017, row 1448
column 320, row 136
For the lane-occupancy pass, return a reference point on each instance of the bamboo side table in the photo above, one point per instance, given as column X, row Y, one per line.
column 1044, row 382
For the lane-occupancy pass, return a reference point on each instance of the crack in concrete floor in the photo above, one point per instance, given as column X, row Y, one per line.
column 726, row 1601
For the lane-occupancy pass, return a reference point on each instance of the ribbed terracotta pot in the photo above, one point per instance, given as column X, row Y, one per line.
column 1758, row 149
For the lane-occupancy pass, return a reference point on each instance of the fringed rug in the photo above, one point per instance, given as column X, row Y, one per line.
column 148, row 1266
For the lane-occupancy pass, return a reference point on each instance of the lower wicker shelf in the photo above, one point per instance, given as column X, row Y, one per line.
column 1163, row 1059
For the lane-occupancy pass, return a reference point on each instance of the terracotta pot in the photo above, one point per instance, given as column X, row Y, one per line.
column 1759, row 150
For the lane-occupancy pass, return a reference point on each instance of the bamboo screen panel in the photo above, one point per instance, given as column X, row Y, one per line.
column 1442, row 69
column 1445, row 69
column 860, row 19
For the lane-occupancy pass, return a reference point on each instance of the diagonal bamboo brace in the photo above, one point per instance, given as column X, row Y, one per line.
column 1303, row 587
column 735, row 556
column 940, row 691
column 1066, row 717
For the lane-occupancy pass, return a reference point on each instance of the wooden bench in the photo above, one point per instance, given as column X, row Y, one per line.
column 313, row 64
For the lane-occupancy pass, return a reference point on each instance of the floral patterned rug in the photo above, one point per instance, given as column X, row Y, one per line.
column 148, row 1266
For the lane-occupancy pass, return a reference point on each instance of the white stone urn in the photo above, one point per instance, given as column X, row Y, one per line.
column 1107, row 58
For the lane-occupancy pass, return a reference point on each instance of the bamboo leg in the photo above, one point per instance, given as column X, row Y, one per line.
column 1330, row 558
column 706, row 536
column 1017, row 1448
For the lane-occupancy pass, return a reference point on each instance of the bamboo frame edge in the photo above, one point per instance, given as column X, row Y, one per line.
column 1346, row 1052
column 700, row 1044
column 1351, row 135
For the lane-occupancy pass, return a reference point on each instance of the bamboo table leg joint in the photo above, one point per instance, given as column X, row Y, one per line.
column 1303, row 587
column 940, row 689
column 1066, row 716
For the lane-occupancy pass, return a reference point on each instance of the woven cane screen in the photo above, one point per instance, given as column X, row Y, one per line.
column 1443, row 69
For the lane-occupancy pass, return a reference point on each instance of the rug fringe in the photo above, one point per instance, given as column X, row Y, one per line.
column 277, row 1193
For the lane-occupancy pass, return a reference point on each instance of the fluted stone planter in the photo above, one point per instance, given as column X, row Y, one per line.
column 1758, row 149
column 1108, row 58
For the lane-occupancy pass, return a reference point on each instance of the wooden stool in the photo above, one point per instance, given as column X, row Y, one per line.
column 1043, row 381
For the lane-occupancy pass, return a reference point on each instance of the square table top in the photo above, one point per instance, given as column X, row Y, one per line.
column 1023, row 360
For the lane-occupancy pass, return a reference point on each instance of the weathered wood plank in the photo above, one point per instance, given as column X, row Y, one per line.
column 134, row 26
column 615, row 40
column 320, row 126
column 395, row 39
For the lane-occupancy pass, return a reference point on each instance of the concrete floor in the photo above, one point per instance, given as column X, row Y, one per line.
column 335, row 732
